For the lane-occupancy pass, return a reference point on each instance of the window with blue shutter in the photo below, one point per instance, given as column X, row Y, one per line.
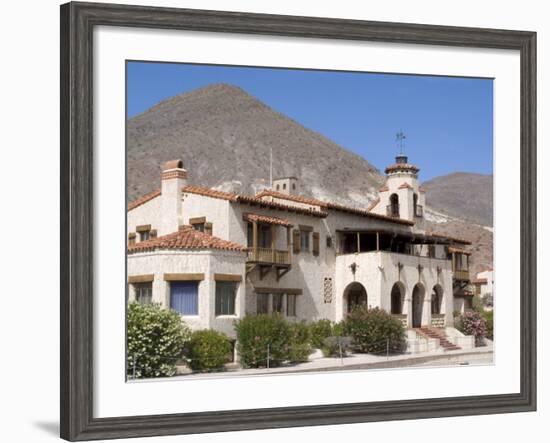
column 184, row 297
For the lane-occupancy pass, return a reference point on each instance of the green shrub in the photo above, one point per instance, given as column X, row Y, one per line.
column 208, row 350
column 155, row 339
column 319, row 330
column 299, row 346
column 477, row 304
column 257, row 333
column 333, row 346
column 488, row 315
column 372, row 328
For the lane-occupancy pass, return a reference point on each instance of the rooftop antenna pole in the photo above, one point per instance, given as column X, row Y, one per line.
column 270, row 167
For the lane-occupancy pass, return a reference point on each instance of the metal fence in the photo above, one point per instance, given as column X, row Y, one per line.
column 135, row 369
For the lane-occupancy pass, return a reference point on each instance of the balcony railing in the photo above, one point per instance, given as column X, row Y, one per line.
column 402, row 318
column 268, row 255
column 392, row 210
column 461, row 275
column 419, row 211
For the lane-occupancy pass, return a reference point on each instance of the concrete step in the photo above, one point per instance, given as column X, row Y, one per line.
column 439, row 334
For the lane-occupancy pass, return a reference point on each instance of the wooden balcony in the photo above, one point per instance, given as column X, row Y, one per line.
column 461, row 275
column 268, row 256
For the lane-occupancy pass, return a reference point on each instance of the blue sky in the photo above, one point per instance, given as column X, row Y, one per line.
column 448, row 121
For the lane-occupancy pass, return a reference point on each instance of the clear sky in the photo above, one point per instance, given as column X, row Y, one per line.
column 448, row 121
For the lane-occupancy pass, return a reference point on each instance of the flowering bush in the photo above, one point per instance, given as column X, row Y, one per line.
column 208, row 350
column 473, row 323
column 260, row 335
column 373, row 330
column 155, row 339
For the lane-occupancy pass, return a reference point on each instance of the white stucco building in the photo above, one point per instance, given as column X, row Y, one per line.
column 215, row 256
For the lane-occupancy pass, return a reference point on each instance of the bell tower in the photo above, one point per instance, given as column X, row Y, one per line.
column 401, row 195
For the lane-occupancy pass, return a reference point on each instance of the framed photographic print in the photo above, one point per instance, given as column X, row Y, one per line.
column 337, row 214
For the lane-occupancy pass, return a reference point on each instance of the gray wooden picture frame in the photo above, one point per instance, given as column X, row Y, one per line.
column 77, row 23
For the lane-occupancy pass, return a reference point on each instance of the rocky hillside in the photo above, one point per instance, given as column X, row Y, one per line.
column 224, row 136
column 463, row 195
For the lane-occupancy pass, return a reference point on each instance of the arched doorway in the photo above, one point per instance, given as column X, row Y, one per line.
column 417, row 303
column 354, row 295
column 394, row 206
column 396, row 298
column 437, row 298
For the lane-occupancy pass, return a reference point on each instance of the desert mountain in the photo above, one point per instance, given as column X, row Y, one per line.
column 224, row 137
column 463, row 195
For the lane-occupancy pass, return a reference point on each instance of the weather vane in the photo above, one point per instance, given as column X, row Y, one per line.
column 399, row 137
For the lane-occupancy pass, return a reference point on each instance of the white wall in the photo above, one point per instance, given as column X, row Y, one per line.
column 146, row 214
column 204, row 262
column 32, row 77
column 378, row 271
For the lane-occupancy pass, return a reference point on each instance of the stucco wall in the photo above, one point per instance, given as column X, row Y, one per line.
column 378, row 271
column 206, row 262
column 148, row 213
column 215, row 210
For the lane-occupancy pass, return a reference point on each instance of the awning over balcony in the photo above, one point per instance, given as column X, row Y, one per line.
column 458, row 251
column 266, row 219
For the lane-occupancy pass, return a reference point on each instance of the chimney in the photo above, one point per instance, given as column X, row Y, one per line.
column 173, row 179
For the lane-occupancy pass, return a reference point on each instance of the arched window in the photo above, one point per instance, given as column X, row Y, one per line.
column 437, row 297
column 396, row 299
column 394, row 206
column 355, row 294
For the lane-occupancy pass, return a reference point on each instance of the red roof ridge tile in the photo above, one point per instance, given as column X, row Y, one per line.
column 143, row 199
column 266, row 219
column 185, row 238
column 209, row 192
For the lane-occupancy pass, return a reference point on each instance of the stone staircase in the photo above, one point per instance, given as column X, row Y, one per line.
column 439, row 334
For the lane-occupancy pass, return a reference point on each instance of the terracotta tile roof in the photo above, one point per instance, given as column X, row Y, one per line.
column 208, row 192
column 384, row 188
column 373, row 204
column 143, row 199
column 275, row 205
column 333, row 206
column 291, row 197
column 186, row 238
column 267, row 219
column 367, row 213
column 454, row 239
column 252, row 200
column 459, row 250
column 401, row 166
column 404, row 186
